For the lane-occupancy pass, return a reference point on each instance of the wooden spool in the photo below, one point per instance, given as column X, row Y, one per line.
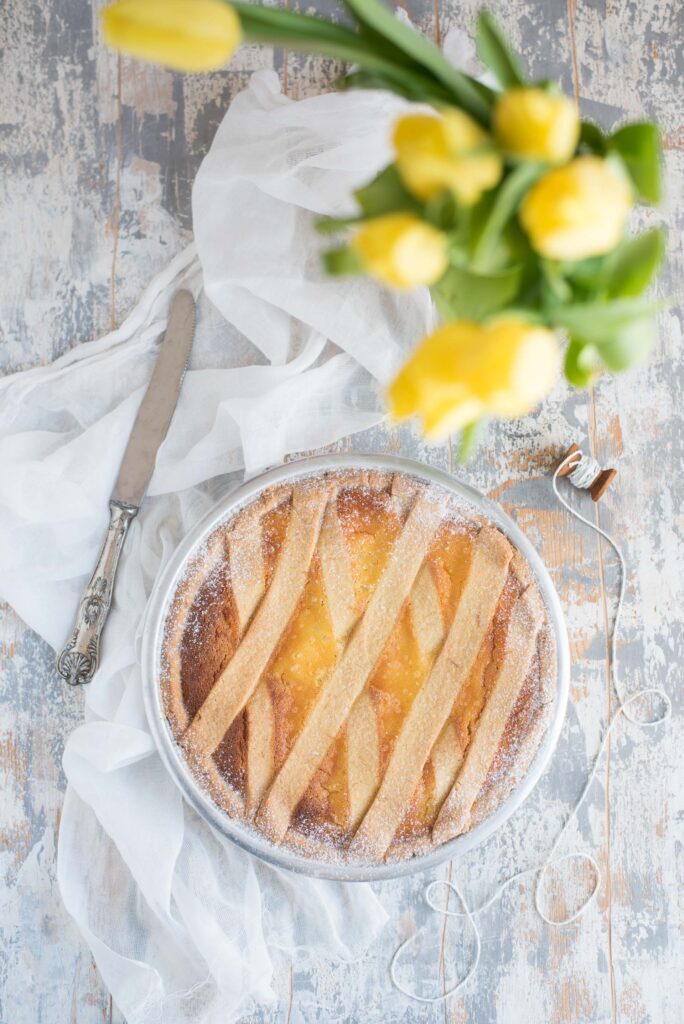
column 598, row 486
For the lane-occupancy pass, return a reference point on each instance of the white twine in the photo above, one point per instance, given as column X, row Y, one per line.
column 582, row 476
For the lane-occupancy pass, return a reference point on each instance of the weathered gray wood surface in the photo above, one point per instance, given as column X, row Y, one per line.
column 99, row 156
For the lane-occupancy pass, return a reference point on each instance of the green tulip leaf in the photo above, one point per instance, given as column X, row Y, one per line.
column 639, row 147
column 308, row 33
column 380, row 21
column 549, row 85
column 600, row 322
column 386, row 193
column 266, row 24
column 343, row 261
column 592, row 138
column 495, row 53
column 585, row 275
column 558, row 289
column 582, row 364
column 333, row 225
column 631, row 267
column 465, row 294
column 442, row 211
column 417, row 88
column 629, row 346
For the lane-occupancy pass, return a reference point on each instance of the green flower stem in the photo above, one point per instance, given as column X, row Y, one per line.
column 399, row 68
column 471, row 435
column 379, row 19
column 508, row 197
column 411, row 89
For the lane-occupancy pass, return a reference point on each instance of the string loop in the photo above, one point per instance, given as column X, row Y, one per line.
column 583, row 475
column 465, row 912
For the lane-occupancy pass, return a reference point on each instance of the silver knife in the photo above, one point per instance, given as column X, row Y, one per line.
column 78, row 660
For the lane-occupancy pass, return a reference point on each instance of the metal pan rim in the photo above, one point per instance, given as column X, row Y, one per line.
column 173, row 758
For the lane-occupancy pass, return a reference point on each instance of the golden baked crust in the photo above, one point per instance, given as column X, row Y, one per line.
column 358, row 666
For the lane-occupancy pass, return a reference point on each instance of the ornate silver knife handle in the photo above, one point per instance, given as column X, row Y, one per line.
column 78, row 660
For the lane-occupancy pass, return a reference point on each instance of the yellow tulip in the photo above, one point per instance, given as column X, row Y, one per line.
column 449, row 151
column 535, row 125
column 577, row 211
column 466, row 370
column 186, row 35
column 401, row 250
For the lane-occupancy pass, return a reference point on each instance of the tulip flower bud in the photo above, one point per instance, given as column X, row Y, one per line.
column 577, row 211
column 536, row 125
column 401, row 250
column 449, row 151
column 466, row 370
column 186, row 35
column 518, row 366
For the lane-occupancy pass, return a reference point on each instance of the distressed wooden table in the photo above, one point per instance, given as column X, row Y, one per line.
column 99, row 157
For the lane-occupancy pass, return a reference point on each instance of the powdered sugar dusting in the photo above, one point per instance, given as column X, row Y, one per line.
column 203, row 629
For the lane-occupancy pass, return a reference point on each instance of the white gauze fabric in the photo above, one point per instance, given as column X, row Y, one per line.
column 183, row 926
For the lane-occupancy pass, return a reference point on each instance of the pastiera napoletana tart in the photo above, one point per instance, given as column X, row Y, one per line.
column 358, row 665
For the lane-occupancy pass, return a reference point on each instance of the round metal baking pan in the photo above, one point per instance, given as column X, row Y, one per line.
column 172, row 755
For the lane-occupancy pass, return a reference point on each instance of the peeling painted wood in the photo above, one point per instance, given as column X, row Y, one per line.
column 99, row 154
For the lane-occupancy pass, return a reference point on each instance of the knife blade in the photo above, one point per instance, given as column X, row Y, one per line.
column 79, row 658
column 157, row 407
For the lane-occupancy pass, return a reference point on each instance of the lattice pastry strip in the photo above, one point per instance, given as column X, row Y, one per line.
column 336, row 570
column 248, row 585
column 432, row 705
column 338, row 695
column 362, row 731
column 427, row 621
column 361, row 739
column 362, row 757
column 427, row 618
column 446, row 759
column 337, row 576
column 428, row 628
column 521, row 644
column 447, row 755
column 238, row 681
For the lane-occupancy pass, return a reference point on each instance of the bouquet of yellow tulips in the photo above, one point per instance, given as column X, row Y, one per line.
column 507, row 206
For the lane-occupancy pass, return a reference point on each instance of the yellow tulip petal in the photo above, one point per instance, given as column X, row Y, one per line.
column 447, row 151
column 401, row 250
column 428, row 387
column 465, row 370
column 419, row 131
column 438, row 423
column 536, row 125
column 420, row 256
column 577, row 211
column 402, row 397
column 186, row 35
column 462, row 133
column 521, row 367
